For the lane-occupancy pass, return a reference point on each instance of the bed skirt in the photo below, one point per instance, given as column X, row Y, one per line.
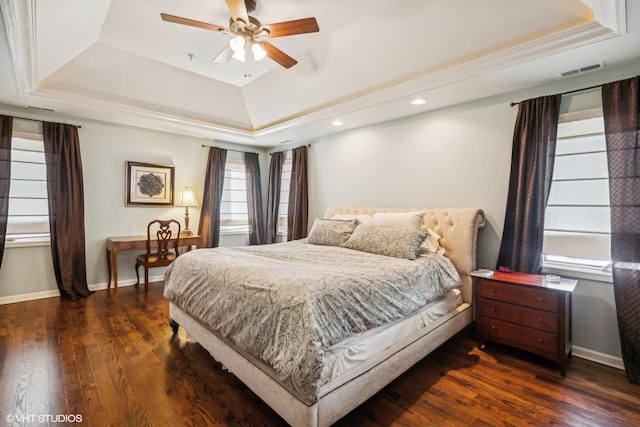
column 342, row 394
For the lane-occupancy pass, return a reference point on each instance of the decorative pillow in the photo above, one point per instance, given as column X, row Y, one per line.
column 395, row 241
column 362, row 218
column 331, row 232
column 407, row 219
column 431, row 244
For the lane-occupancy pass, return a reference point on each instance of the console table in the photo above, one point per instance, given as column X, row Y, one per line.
column 116, row 245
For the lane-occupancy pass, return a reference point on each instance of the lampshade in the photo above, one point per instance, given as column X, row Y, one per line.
column 239, row 55
column 239, row 46
column 186, row 198
column 258, row 51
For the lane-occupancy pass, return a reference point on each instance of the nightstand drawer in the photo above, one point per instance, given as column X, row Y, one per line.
column 539, row 319
column 521, row 295
column 519, row 336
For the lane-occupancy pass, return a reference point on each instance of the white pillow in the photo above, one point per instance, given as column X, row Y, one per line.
column 362, row 218
column 412, row 220
column 431, row 244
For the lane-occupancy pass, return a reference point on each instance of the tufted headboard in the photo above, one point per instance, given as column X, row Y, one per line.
column 458, row 228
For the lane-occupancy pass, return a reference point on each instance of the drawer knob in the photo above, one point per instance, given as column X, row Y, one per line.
column 493, row 327
column 540, row 299
column 539, row 339
column 493, row 309
column 540, row 320
column 493, row 289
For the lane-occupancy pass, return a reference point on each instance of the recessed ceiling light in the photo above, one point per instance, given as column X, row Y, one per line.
column 418, row 101
column 337, row 122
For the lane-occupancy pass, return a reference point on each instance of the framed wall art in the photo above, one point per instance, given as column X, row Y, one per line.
column 149, row 184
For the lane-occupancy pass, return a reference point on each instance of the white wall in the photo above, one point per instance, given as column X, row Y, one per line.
column 456, row 157
column 105, row 148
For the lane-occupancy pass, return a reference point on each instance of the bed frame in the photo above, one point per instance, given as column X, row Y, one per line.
column 459, row 229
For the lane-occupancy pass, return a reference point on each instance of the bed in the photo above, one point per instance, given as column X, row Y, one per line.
column 313, row 376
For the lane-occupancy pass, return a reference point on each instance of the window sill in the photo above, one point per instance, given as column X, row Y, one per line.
column 577, row 272
column 27, row 244
column 234, row 233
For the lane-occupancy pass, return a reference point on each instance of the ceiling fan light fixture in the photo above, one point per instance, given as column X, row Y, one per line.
column 237, row 45
column 248, row 33
column 239, row 56
column 258, row 51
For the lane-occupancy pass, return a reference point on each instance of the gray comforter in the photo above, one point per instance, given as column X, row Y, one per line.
column 287, row 303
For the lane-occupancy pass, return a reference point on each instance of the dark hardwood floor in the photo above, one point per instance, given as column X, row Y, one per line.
column 110, row 359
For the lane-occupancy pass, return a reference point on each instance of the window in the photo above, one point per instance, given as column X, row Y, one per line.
column 28, row 219
column 234, row 213
column 283, row 208
column 577, row 229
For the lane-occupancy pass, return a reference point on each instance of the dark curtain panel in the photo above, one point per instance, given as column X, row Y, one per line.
column 534, row 146
column 66, row 208
column 254, row 198
column 273, row 196
column 298, row 196
column 6, row 130
column 213, row 184
column 621, row 109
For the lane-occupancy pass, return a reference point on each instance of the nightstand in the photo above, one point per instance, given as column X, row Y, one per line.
column 526, row 311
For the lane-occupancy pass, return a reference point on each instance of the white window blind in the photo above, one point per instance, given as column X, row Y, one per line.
column 577, row 229
column 234, row 213
column 28, row 219
column 283, row 208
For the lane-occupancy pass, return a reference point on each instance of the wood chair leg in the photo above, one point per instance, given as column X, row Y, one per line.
column 174, row 326
column 138, row 272
column 146, row 278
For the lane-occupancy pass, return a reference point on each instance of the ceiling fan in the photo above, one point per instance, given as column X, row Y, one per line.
column 249, row 34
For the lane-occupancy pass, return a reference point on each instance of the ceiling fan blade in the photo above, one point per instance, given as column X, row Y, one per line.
column 290, row 28
column 224, row 56
column 238, row 10
column 279, row 56
column 191, row 22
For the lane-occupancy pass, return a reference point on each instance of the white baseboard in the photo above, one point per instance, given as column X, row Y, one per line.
column 596, row 356
column 124, row 283
column 581, row 352
column 54, row 293
column 29, row 297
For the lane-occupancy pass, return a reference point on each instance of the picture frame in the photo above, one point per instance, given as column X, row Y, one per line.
column 149, row 184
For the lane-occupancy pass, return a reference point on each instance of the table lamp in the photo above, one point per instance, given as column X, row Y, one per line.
column 186, row 198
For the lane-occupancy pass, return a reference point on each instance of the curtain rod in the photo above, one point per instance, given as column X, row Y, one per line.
column 228, row 149
column 568, row 92
column 39, row 121
column 284, row 151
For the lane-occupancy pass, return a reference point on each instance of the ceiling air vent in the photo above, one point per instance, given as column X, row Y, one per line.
column 582, row 70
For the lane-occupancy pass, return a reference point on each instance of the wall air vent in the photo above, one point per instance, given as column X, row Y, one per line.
column 31, row 107
column 582, row 70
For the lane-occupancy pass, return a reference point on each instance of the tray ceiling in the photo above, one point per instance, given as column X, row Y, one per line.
column 118, row 61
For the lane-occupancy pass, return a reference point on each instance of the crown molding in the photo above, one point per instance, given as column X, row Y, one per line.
column 570, row 39
column 169, row 121
column 20, row 16
column 611, row 14
column 19, row 21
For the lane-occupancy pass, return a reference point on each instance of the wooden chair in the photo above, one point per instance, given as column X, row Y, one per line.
column 159, row 247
